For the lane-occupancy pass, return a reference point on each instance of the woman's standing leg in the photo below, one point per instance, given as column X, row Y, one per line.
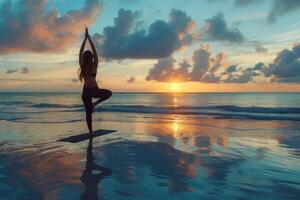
column 88, row 105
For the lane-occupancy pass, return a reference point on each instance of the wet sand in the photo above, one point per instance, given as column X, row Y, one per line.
column 150, row 157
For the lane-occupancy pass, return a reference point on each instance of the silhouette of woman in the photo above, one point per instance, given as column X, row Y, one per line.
column 88, row 62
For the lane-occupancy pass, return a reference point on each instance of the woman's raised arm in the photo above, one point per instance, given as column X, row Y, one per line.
column 82, row 49
column 93, row 47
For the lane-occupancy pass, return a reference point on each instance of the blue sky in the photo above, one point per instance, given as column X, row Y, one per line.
column 208, row 50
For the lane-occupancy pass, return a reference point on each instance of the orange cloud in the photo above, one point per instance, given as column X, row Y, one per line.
column 30, row 28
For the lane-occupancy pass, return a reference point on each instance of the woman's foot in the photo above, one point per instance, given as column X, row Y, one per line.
column 95, row 104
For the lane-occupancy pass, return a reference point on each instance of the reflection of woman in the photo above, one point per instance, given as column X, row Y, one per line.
column 89, row 179
column 88, row 62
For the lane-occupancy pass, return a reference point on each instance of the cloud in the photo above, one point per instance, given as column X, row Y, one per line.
column 201, row 63
column 260, row 49
column 160, row 40
column 216, row 29
column 285, row 67
column 28, row 26
column 259, row 66
column 204, row 65
column 243, row 76
column 204, row 68
column 245, row 2
column 22, row 80
column 231, row 69
column 131, row 80
column 207, row 68
column 238, row 2
column 281, row 7
column 25, row 70
column 10, row 71
column 162, row 71
column 74, row 80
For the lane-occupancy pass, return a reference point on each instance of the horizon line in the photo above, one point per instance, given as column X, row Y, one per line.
column 129, row 92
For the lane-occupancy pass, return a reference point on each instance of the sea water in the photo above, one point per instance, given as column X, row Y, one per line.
column 167, row 146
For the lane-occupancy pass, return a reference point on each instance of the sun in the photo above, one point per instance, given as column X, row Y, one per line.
column 175, row 87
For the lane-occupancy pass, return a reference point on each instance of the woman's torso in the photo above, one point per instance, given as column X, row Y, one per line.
column 90, row 79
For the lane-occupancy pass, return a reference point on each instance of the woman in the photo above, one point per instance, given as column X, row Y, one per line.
column 88, row 62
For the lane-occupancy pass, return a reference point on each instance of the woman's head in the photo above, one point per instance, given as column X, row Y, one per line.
column 87, row 58
column 85, row 66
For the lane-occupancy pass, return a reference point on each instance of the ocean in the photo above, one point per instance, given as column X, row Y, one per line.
column 166, row 146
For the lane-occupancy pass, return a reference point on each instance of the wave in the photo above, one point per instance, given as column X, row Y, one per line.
column 195, row 110
column 226, row 111
column 256, row 109
column 50, row 105
column 221, row 111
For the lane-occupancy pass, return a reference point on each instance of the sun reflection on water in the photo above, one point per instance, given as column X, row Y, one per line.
column 175, row 128
column 175, row 100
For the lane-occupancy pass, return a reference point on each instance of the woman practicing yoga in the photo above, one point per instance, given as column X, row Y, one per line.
column 88, row 62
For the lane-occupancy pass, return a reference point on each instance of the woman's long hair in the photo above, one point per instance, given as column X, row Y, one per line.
column 86, row 65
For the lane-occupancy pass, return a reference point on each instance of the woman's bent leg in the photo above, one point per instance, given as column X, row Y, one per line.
column 102, row 94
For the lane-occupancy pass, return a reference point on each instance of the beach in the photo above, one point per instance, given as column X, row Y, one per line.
column 166, row 146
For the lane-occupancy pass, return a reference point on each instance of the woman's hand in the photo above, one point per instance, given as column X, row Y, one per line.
column 83, row 45
column 87, row 35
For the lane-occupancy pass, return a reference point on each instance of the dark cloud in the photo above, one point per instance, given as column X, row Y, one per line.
column 260, row 49
column 24, row 70
column 162, row 38
column 201, row 63
column 74, row 80
column 217, row 29
column 162, row 71
column 205, row 65
column 238, row 2
column 203, row 69
column 245, row 2
column 182, row 72
column 285, row 67
column 207, row 68
column 259, row 66
column 281, row 7
column 10, row 71
column 29, row 26
column 131, row 80
column 243, row 76
column 233, row 74
column 215, row 69
column 231, row 69
column 22, row 80
column 213, row 1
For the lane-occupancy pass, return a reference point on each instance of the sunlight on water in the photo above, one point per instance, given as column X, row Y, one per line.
column 175, row 100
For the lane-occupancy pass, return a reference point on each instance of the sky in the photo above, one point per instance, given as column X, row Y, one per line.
column 152, row 46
